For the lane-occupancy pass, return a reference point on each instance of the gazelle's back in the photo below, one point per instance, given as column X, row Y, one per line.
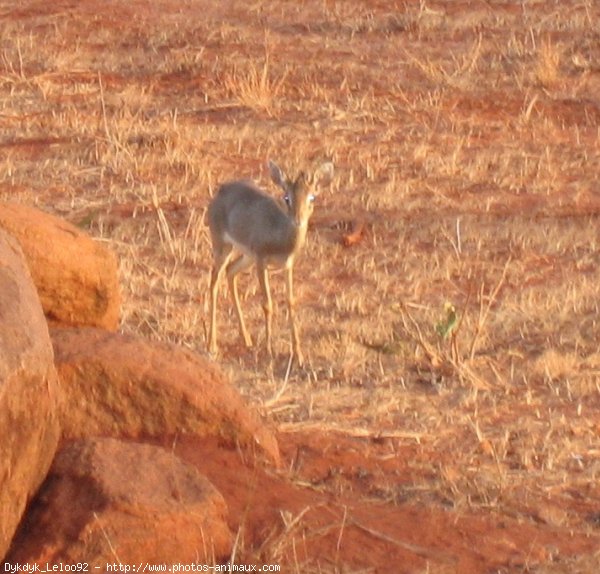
column 243, row 215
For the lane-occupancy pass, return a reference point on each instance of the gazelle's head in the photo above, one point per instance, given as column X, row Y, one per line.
column 299, row 194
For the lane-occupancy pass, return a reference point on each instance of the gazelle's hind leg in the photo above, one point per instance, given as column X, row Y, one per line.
column 221, row 258
column 237, row 265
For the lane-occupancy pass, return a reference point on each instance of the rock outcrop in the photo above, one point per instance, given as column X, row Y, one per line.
column 110, row 502
column 28, row 390
column 76, row 276
column 125, row 386
column 107, row 499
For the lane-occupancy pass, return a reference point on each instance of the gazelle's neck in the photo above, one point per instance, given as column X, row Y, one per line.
column 301, row 229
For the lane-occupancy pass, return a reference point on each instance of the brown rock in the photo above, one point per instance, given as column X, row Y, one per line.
column 108, row 501
column 28, row 390
column 76, row 277
column 124, row 386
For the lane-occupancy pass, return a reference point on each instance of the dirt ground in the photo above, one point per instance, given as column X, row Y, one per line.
column 335, row 513
column 447, row 420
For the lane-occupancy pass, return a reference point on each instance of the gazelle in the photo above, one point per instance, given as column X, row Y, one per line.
column 244, row 219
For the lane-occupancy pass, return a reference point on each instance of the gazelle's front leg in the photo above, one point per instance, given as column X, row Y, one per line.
column 290, row 295
column 263, row 279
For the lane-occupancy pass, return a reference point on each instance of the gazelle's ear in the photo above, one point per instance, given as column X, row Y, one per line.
column 276, row 174
column 324, row 174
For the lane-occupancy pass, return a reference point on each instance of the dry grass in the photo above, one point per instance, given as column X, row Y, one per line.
column 466, row 142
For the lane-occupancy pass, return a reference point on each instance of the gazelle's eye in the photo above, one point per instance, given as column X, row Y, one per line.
column 286, row 198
